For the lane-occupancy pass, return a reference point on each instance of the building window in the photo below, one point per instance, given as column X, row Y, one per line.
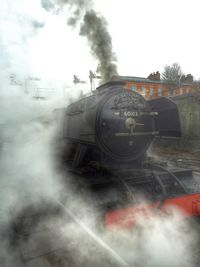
column 171, row 91
column 151, row 91
column 143, row 90
column 159, row 91
column 133, row 88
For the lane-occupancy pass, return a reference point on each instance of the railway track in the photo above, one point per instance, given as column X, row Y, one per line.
column 59, row 238
column 178, row 158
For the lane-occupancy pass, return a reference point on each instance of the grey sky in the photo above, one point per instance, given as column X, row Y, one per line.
column 146, row 36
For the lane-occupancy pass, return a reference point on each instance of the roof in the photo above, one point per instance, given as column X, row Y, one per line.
column 143, row 80
column 110, row 83
column 137, row 79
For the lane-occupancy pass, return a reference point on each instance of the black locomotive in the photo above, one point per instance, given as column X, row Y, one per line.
column 103, row 140
column 114, row 126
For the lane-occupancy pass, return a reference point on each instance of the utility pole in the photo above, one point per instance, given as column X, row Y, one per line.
column 76, row 81
column 92, row 77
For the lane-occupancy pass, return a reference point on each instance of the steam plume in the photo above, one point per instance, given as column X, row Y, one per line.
column 94, row 28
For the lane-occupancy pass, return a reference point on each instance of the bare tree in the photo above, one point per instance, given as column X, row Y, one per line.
column 172, row 73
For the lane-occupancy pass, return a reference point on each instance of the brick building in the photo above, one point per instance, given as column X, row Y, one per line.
column 153, row 87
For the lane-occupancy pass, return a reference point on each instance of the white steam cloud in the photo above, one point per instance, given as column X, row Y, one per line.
column 19, row 22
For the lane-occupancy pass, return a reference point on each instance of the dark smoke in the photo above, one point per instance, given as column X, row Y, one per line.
column 94, row 28
column 38, row 24
column 47, row 4
column 76, row 7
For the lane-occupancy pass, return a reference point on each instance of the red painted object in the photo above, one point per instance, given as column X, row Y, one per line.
column 189, row 205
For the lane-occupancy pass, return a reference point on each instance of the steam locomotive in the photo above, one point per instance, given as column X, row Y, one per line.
column 104, row 138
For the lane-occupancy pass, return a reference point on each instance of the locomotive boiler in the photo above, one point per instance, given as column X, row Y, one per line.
column 114, row 126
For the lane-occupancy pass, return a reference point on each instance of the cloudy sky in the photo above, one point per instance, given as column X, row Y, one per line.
column 146, row 35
